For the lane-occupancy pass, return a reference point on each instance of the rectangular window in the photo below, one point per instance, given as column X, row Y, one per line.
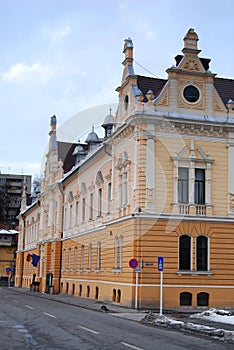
column 120, row 251
column 65, row 219
column 83, row 210
column 99, row 202
column 199, row 190
column 76, row 213
column 183, row 185
column 69, row 260
column 82, row 258
column 108, row 208
column 75, row 258
column 90, row 257
column 70, row 217
column 120, row 191
column 55, row 221
column 99, row 256
column 64, row 259
column 125, row 189
column 91, row 206
column 116, row 252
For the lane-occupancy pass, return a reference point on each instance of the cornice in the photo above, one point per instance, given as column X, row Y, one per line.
column 123, row 133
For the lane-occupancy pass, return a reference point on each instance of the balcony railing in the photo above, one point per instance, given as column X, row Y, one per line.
column 185, row 209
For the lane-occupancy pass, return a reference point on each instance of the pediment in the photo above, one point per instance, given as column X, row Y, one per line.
column 191, row 153
column 191, row 64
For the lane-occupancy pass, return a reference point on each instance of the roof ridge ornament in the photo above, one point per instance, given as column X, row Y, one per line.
column 190, row 42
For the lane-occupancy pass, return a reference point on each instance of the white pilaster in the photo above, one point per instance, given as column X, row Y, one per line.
column 231, row 175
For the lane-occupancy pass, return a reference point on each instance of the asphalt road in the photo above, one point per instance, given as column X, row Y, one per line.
column 27, row 322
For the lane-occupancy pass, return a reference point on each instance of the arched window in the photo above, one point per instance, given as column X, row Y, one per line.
column 202, row 253
column 202, row 299
column 114, row 295
column 185, row 299
column 80, row 290
column 126, row 100
column 185, row 252
column 118, row 296
column 96, row 292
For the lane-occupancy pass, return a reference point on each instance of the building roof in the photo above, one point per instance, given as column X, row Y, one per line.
column 147, row 83
column 65, row 151
column 225, row 87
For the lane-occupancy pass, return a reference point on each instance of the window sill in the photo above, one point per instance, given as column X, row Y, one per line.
column 97, row 270
column 117, row 271
column 194, row 273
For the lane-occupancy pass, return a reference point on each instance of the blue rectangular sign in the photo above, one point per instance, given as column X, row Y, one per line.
column 160, row 263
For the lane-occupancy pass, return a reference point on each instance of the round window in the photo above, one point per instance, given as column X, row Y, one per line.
column 191, row 93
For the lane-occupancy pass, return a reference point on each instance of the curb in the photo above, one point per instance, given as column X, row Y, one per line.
column 165, row 322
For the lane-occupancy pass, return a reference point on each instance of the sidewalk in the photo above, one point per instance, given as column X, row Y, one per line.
column 86, row 303
column 174, row 318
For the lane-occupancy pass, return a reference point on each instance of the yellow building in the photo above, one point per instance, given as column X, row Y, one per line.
column 160, row 184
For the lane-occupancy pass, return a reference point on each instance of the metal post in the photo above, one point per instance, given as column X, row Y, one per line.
column 161, row 292
column 136, row 294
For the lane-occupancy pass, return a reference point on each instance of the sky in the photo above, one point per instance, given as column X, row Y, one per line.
column 64, row 57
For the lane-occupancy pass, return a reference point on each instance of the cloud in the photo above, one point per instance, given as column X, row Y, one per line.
column 57, row 35
column 21, row 72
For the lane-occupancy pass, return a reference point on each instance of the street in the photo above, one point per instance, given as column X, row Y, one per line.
column 28, row 322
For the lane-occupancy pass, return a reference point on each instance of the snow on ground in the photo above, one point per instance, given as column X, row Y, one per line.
column 215, row 315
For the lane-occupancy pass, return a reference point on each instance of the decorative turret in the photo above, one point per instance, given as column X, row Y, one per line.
column 51, row 165
column 92, row 140
column 190, row 42
column 24, row 195
column 79, row 152
column 128, row 61
column 52, row 133
column 108, row 125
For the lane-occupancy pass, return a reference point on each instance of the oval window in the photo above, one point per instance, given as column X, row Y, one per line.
column 191, row 94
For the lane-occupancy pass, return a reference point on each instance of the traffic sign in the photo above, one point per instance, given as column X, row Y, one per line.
column 138, row 269
column 133, row 263
column 160, row 263
column 8, row 269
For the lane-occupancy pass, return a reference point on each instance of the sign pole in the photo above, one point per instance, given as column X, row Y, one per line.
column 160, row 269
column 136, row 293
column 161, row 292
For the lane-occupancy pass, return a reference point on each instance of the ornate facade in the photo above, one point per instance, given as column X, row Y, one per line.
column 160, row 184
